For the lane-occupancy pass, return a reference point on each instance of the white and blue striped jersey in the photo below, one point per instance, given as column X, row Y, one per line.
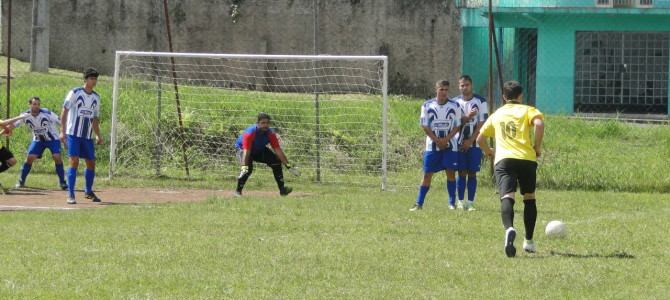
column 477, row 103
column 43, row 125
column 441, row 119
column 83, row 108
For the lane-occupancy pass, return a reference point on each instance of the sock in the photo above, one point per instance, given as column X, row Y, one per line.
column 24, row 172
column 89, row 175
column 71, row 180
column 451, row 190
column 423, row 190
column 279, row 176
column 472, row 187
column 61, row 173
column 529, row 217
column 507, row 212
column 460, row 183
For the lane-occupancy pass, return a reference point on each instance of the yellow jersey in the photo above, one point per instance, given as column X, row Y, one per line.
column 510, row 125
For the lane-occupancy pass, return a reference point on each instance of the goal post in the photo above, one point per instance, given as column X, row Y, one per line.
column 331, row 112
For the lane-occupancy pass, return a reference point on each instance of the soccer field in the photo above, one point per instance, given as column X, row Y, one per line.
column 329, row 244
column 607, row 180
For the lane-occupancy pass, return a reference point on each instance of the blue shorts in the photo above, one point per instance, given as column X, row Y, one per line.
column 37, row 147
column 435, row 161
column 470, row 160
column 80, row 147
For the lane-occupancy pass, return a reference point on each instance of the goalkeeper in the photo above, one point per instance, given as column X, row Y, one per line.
column 252, row 146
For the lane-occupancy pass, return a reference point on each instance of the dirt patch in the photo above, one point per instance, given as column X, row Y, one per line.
column 40, row 199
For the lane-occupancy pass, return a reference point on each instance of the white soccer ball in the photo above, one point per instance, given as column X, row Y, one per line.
column 556, row 229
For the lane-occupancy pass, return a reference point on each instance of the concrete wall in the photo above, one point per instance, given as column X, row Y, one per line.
column 421, row 38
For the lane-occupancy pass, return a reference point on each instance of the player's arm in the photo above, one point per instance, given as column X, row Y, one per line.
column 539, row 134
column 486, row 131
column 96, row 129
column 10, row 122
column 276, row 147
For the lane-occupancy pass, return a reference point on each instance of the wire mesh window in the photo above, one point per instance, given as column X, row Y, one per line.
column 624, row 72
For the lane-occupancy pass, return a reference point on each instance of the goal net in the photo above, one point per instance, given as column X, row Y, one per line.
column 179, row 114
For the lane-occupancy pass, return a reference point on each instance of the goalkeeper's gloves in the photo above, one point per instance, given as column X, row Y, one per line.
column 292, row 169
column 244, row 170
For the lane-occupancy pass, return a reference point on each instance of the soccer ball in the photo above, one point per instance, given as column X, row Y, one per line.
column 556, row 229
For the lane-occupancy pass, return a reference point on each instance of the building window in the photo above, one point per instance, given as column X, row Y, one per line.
column 621, row 72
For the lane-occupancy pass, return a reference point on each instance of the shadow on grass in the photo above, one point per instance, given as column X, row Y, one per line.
column 616, row 254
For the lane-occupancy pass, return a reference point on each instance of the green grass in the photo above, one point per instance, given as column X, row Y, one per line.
column 361, row 244
column 343, row 241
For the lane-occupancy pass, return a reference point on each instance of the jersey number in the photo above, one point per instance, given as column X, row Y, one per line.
column 508, row 129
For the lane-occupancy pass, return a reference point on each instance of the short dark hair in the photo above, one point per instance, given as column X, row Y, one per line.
column 90, row 72
column 30, row 100
column 465, row 77
column 512, row 90
column 263, row 116
column 441, row 83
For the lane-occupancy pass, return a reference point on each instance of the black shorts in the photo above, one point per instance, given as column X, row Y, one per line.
column 264, row 156
column 509, row 171
column 5, row 154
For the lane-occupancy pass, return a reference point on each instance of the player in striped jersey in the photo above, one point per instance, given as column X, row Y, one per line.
column 252, row 146
column 475, row 113
column 80, row 119
column 440, row 120
column 515, row 160
column 42, row 123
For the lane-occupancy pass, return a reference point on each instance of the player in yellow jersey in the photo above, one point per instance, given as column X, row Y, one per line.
column 515, row 160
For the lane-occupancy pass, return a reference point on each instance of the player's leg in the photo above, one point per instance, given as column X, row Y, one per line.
column 506, row 180
column 270, row 158
column 527, row 184
column 73, row 151
column 450, row 163
column 88, row 154
column 242, row 179
column 35, row 150
column 54, row 146
column 432, row 162
column 7, row 159
column 461, row 180
column 474, row 162
column 423, row 191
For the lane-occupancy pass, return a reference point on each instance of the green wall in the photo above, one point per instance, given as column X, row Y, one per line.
column 556, row 48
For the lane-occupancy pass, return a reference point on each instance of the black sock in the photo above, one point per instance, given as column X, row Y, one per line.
column 507, row 212
column 529, row 217
column 279, row 176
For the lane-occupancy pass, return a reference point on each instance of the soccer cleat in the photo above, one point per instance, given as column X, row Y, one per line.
column 63, row 186
column 452, row 207
column 237, row 194
column 510, row 234
column 459, row 204
column 416, row 207
column 19, row 185
column 470, row 206
column 529, row 246
column 71, row 201
column 287, row 190
column 91, row 196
